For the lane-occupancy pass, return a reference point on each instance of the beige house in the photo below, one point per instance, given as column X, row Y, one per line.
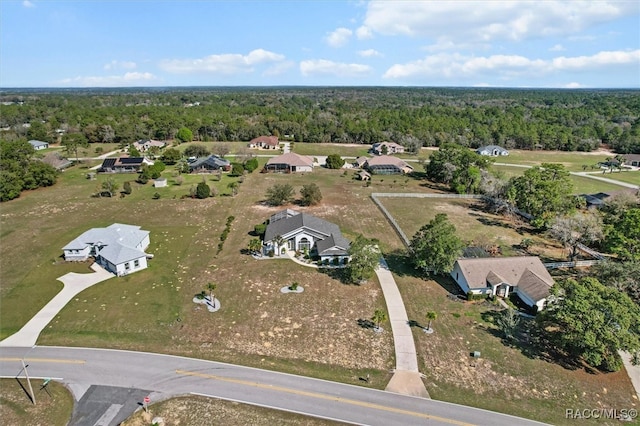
column 265, row 142
column 387, row 165
column 525, row 276
column 384, row 148
column 289, row 163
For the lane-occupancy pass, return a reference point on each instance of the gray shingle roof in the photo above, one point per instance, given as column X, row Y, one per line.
column 210, row 162
column 119, row 241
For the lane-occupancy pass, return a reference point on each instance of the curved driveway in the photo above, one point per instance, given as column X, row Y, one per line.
column 167, row 376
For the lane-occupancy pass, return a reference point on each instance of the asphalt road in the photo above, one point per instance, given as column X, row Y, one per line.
column 166, row 376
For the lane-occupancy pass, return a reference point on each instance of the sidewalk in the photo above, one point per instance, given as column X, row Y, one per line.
column 73, row 284
column 633, row 371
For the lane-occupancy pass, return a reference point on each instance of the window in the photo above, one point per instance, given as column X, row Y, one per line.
column 304, row 244
column 136, row 263
column 127, row 266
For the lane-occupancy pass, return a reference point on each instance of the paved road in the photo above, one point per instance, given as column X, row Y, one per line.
column 166, row 376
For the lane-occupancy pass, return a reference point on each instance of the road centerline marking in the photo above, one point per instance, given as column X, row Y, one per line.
column 323, row 396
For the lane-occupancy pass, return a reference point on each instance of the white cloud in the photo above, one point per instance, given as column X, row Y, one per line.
column 27, row 3
column 364, row 33
column 573, row 85
column 226, row 64
column 127, row 65
column 279, row 68
column 506, row 66
column 339, row 37
column 443, row 44
column 127, row 79
column 486, row 21
column 557, row 48
column 369, row 53
column 319, row 67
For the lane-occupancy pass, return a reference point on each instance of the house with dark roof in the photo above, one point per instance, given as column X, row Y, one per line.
column 38, row 145
column 209, row 164
column 289, row 163
column 387, row 165
column 632, row 160
column 265, row 142
column 305, row 233
column 526, row 276
column 118, row 248
column 492, row 151
column 123, row 164
column 384, row 148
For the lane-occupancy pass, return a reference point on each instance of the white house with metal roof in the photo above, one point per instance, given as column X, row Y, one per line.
column 118, row 248
column 305, row 233
column 38, row 145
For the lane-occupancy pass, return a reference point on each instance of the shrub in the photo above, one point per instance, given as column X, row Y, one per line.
column 156, row 196
column 260, row 229
column 271, row 253
column 126, row 188
column 251, row 164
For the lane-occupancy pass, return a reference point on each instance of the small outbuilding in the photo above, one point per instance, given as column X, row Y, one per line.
column 160, row 182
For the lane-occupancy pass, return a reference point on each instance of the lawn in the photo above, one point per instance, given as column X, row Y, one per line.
column 473, row 225
column 314, row 333
column 515, row 379
column 573, row 161
column 16, row 408
column 628, row 176
column 202, row 411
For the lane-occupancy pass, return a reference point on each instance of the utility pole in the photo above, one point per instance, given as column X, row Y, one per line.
column 26, row 373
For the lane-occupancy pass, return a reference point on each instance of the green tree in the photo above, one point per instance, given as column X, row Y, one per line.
column 196, row 150
column 73, row 142
column 233, row 186
column 279, row 194
column 110, row 186
column 171, row 156
column 126, row 188
column 237, row 169
column 622, row 234
column 543, row 192
column 203, row 190
column 311, row 194
column 334, row 161
column 431, row 316
column 133, row 151
column 364, row 258
column 378, row 317
column 435, row 247
column 255, row 245
column 251, row 164
column 623, row 276
column 184, row 135
column 212, row 298
column 591, row 322
column 458, row 167
column 508, row 322
column 10, row 185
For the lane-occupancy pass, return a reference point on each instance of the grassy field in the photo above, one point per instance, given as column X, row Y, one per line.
column 573, row 161
column 16, row 407
column 626, row 176
column 314, row 333
column 201, row 411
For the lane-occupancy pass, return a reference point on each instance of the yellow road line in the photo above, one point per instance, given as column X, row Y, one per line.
column 326, row 397
column 59, row 361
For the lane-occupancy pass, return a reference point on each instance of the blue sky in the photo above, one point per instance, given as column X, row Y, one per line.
column 558, row 44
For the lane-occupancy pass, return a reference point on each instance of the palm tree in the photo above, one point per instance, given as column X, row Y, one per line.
column 255, row 245
column 431, row 315
column 211, row 287
column 279, row 241
column 378, row 316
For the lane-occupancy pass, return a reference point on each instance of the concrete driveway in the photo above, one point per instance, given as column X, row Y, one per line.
column 74, row 283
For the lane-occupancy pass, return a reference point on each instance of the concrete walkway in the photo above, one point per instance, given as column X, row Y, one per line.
column 633, row 371
column 73, row 284
column 406, row 379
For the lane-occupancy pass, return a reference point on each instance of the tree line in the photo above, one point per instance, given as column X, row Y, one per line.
column 524, row 119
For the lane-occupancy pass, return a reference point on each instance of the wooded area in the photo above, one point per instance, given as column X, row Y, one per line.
column 567, row 120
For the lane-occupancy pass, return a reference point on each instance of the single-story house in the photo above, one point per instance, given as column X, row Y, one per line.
column 498, row 276
column 304, row 232
column 390, row 148
column 289, row 163
column 360, row 161
column 265, row 142
column 144, row 145
column 595, row 200
column 118, row 248
column 209, row 164
column 387, row 165
column 123, row 164
column 160, row 182
column 56, row 160
column 632, row 160
column 38, row 145
column 492, row 150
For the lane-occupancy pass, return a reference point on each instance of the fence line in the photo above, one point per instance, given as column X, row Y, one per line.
column 574, row 264
column 392, row 221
